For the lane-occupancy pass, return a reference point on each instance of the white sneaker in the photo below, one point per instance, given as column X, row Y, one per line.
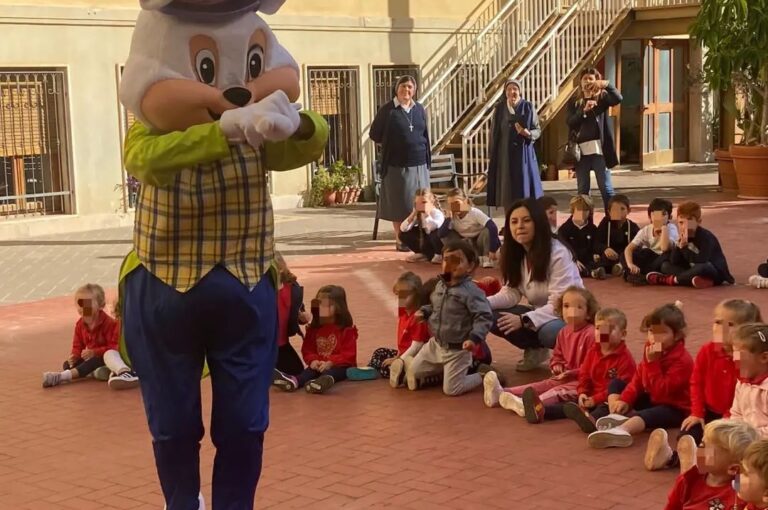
column 101, row 373
column 658, row 453
column 124, row 381
column 410, row 377
column 686, row 452
column 610, row 421
column 200, row 503
column 416, row 257
column 396, row 373
column 758, row 281
column 437, row 259
column 491, row 389
column 610, row 438
column 486, row 262
column 512, row 403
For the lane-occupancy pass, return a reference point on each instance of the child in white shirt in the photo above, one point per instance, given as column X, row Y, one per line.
column 652, row 245
column 470, row 223
column 420, row 231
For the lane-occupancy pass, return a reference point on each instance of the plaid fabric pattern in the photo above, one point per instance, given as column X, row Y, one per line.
column 217, row 213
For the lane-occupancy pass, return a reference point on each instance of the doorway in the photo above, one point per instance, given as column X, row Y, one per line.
column 654, row 112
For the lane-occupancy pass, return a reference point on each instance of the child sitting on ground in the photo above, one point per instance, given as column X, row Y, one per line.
column 614, row 233
column 466, row 222
column 707, row 486
column 607, row 360
column 651, row 246
column 330, row 344
column 412, row 333
column 658, row 396
column 760, row 280
column 96, row 334
column 549, row 204
column 291, row 316
column 712, row 387
column 544, row 399
column 696, row 260
column 579, row 233
column 751, row 483
column 750, row 400
column 420, row 231
column 459, row 319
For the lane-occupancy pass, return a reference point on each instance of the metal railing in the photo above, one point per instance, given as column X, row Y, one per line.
column 666, row 3
column 335, row 94
column 464, row 84
column 34, row 163
column 545, row 69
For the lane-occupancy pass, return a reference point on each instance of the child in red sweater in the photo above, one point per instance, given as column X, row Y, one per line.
column 330, row 344
column 659, row 393
column 712, row 387
column 545, row 399
column 608, row 360
column 291, row 315
column 708, row 486
column 95, row 334
column 751, row 483
column 412, row 333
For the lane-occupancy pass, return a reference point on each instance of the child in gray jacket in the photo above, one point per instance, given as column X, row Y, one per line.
column 459, row 318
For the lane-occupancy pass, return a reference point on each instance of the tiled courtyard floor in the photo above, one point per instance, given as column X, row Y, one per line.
column 363, row 445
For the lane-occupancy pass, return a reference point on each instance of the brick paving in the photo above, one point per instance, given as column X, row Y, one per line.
column 363, row 445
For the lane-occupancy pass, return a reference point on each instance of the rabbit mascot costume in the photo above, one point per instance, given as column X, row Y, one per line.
column 213, row 93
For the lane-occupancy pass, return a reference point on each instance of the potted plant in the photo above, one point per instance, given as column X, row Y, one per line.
column 735, row 33
column 322, row 190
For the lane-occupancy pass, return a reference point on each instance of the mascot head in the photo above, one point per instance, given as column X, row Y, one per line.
column 191, row 60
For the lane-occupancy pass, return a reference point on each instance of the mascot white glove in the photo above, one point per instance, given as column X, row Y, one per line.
column 273, row 119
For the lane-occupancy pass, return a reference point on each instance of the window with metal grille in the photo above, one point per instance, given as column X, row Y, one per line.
column 384, row 79
column 35, row 174
column 334, row 93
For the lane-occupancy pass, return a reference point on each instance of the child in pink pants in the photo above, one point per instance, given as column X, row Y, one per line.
column 578, row 307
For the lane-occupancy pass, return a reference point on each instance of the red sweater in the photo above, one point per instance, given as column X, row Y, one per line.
column 691, row 492
column 571, row 348
column 100, row 339
column 331, row 343
column 713, row 382
column 597, row 371
column 283, row 310
column 666, row 380
column 409, row 330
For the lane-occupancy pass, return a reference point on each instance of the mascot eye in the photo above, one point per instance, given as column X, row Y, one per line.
column 205, row 65
column 255, row 61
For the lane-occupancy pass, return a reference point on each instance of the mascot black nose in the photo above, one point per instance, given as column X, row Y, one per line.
column 237, row 95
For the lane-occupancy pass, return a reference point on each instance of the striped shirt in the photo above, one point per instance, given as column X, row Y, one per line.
column 217, row 213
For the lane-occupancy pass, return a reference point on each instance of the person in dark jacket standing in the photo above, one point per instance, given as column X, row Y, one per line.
column 697, row 260
column 400, row 127
column 513, row 170
column 587, row 118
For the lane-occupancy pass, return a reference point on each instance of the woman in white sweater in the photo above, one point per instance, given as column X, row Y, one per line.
column 535, row 266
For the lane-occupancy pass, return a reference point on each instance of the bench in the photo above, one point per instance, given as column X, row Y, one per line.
column 442, row 178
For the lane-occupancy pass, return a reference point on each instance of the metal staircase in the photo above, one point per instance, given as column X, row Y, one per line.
column 542, row 43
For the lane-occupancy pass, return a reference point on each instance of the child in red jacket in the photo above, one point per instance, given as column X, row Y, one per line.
column 290, row 317
column 412, row 333
column 330, row 344
column 95, row 334
column 712, row 387
column 608, row 360
column 708, row 486
column 659, row 394
column 545, row 399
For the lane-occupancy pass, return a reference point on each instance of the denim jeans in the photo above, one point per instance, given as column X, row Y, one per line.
column 594, row 162
column 525, row 338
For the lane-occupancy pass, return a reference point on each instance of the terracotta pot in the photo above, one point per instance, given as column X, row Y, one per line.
column 751, row 164
column 329, row 198
column 726, row 170
column 358, row 191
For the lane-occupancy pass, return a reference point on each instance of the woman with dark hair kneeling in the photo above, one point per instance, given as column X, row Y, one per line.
column 539, row 268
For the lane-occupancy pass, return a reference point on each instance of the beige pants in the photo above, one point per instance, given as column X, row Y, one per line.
column 115, row 362
column 432, row 359
column 481, row 243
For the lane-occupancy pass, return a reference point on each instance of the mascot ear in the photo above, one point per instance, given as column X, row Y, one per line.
column 270, row 6
column 215, row 7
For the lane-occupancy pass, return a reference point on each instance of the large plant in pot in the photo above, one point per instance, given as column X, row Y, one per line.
column 735, row 34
